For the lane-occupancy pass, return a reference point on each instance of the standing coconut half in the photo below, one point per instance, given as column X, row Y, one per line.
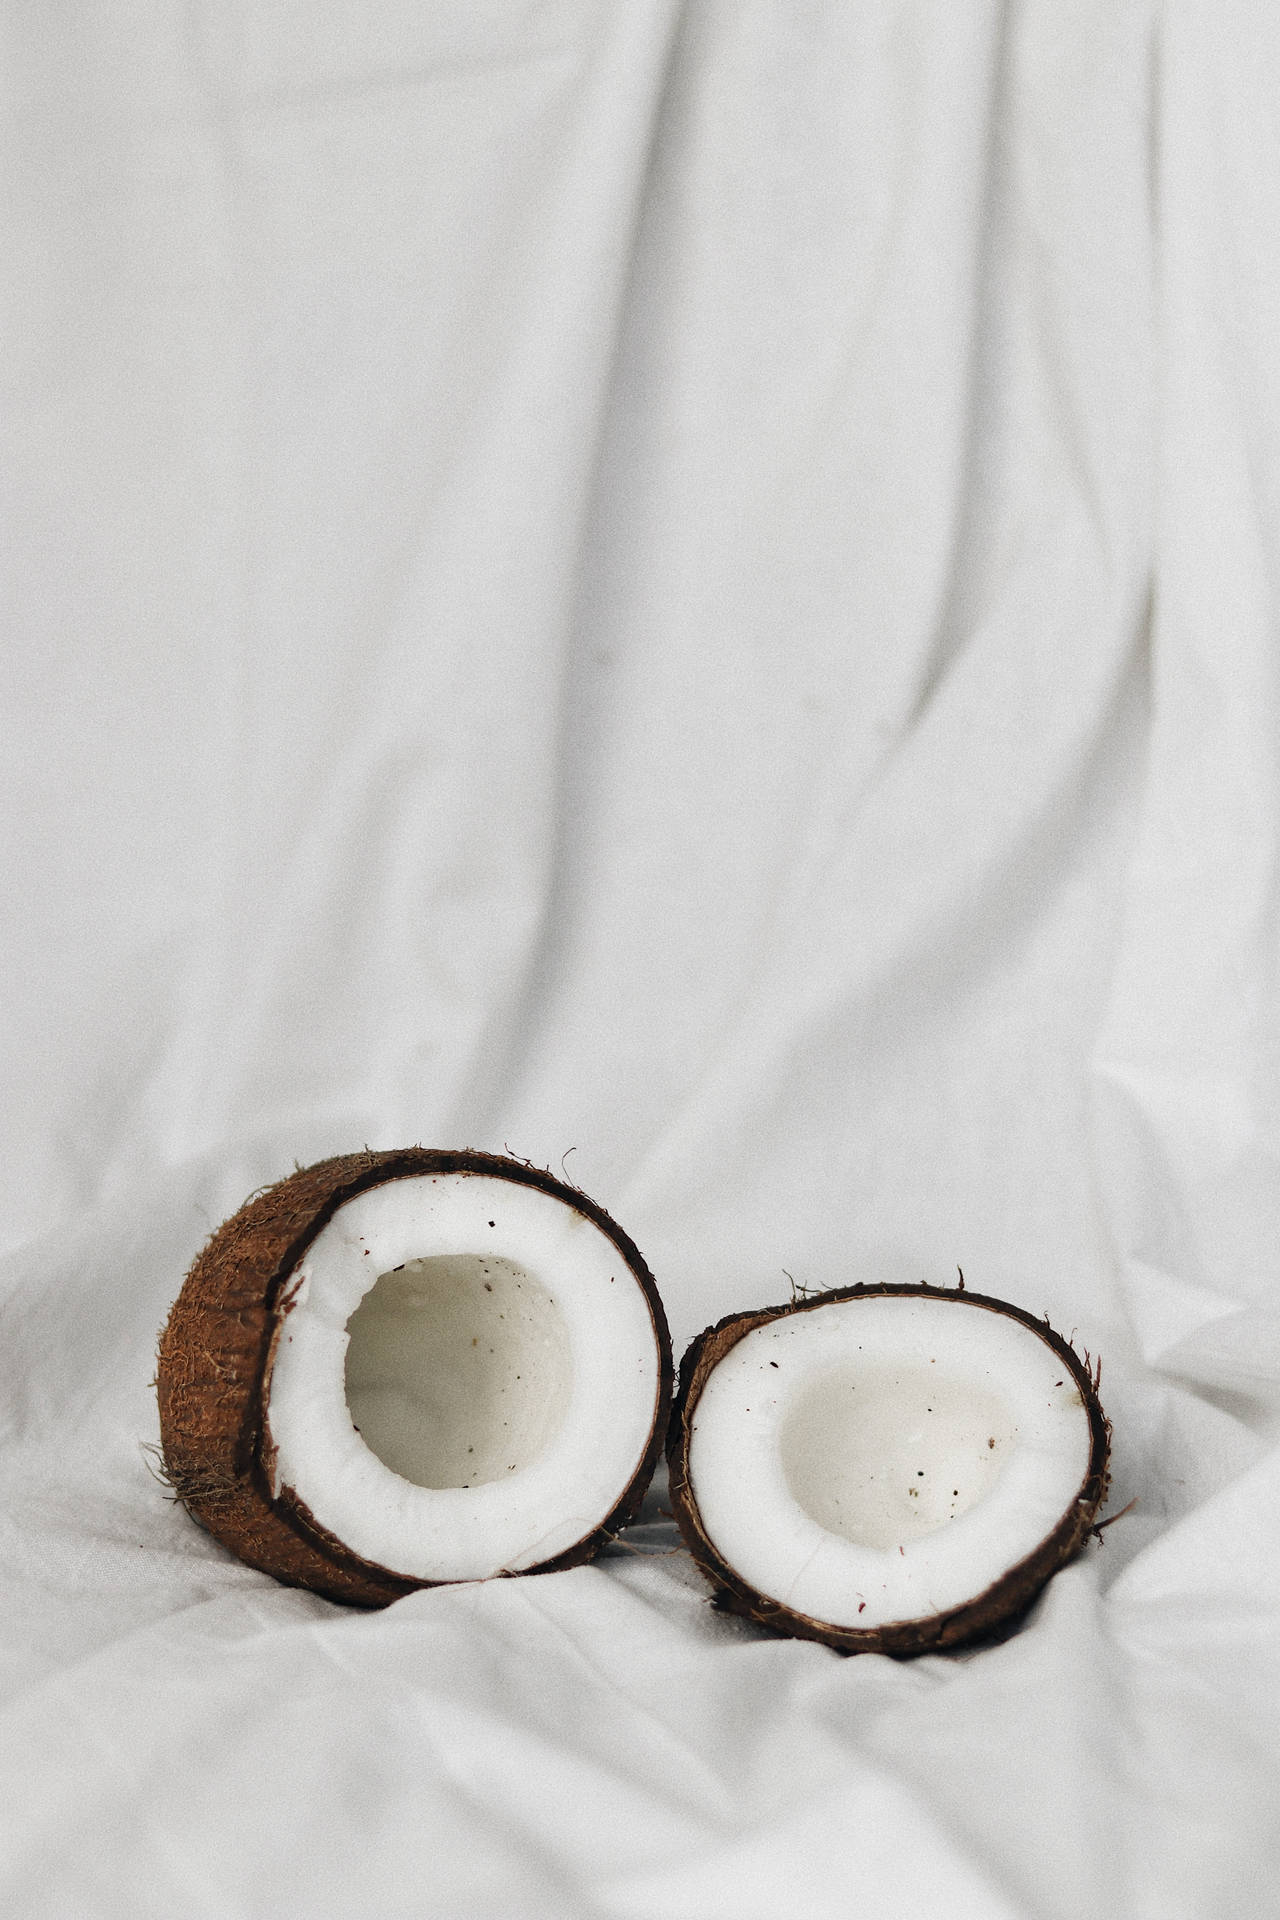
column 887, row 1469
column 396, row 1369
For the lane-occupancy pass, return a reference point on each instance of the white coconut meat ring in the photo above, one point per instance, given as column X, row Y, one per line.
column 466, row 1380
column 885, row 1458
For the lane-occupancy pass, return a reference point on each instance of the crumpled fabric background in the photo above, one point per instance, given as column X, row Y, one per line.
column 692, row 585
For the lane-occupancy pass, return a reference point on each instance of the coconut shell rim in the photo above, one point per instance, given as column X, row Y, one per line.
column 988, row 1614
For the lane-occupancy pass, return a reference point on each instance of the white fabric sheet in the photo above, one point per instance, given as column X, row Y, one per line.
column 692, row 586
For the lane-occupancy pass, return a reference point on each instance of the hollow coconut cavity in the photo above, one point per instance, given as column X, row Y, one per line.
column 891, row 1469
column 392, row 1370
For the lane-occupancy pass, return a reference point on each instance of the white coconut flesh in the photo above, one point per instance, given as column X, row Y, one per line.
column 466, row 1381
column 885, row 1458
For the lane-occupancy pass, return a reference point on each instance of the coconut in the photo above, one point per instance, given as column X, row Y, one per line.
column 892, row 1469
column 392, row 1370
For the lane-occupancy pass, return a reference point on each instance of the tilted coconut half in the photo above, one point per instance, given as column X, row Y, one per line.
column 885, row 1468
column 396, row 1369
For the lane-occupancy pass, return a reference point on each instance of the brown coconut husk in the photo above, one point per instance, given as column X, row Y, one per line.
column 989, row 1614
column 215, row 1360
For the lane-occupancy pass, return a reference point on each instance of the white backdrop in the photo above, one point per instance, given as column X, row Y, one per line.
column 692, row 585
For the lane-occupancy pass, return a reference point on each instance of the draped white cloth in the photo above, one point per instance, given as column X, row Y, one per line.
column 696, row 585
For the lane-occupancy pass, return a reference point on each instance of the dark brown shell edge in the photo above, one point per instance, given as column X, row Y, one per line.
column 216, row 1349
column 989, row 1613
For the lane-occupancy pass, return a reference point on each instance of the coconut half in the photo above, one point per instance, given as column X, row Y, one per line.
column 397, row 1369
column 885, row 1468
